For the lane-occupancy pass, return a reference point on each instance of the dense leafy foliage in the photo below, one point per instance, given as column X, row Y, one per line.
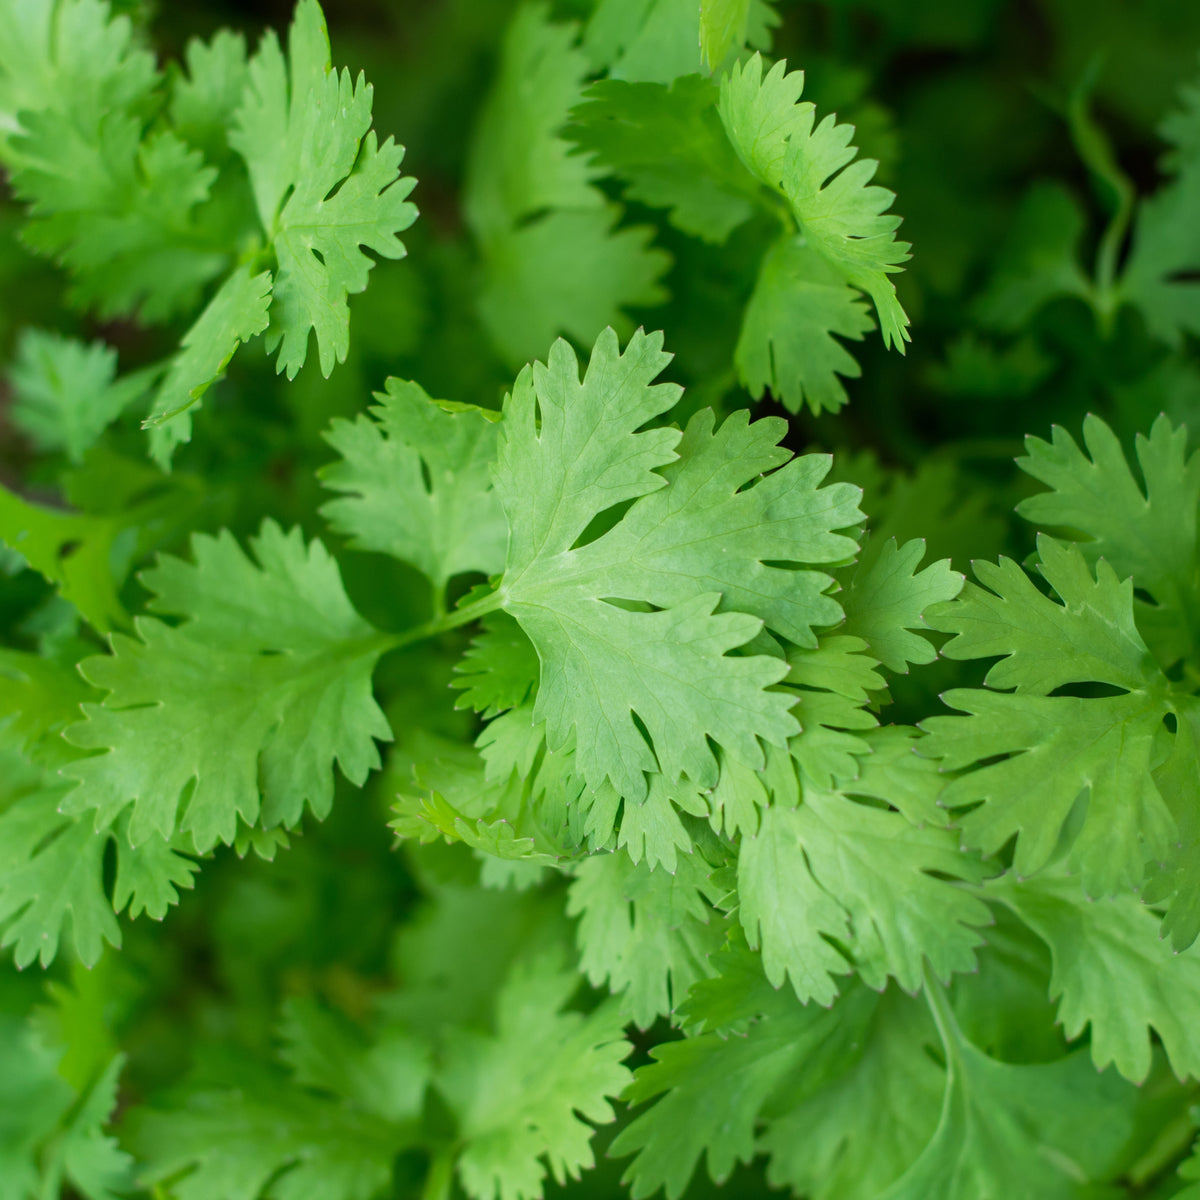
column 690, row 753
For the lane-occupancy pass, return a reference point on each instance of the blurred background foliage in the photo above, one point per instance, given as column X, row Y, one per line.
column 973, row 109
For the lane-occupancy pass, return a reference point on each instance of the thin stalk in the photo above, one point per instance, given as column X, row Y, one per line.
column 443, row 624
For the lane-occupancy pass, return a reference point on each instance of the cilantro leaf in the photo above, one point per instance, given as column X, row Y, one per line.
column 117, row 209
column 886, row 597
column 530, row 295
column 51, row 879
column 645, row 41
column 1113, row 971
column 1148, row 533
column 692, row 541
column 205, row 99
column 835, row 871
column 74, row 551
column 66, row 391
column 1056, row 747
column 323, row 185
column 668, row 147
column 647, row 934
column 724, row 25
column 841, row 214
column 519, row 163
column 836, row 678
column 516, row 1111
column 75, row 57
column 855, row 1118
column 787, row 342
column 670, row 1138
column 1038, row 260
column 499, row 670
column 416, row 484
column 236, row 313
column 1005, row 1129
column 269, row 678
column 53, row 1138
column 540, row 222
column 1164, row 252
column 265, row 1139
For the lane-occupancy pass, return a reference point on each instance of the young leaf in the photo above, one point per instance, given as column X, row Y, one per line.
column 886, row 597
column 1056, row 747
column 540, row 222
column 265, row 1139
column 841, row 213
column 323, row 185
column 1148, row 533
column 416, row 484
column 235, row 314
column 517, row 1111
column 66, row 392
column 787, row 342
column 645, row 933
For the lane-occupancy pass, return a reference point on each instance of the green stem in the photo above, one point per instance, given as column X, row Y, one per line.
column 1097, row 154
column 440, row 1177
column 444, row 623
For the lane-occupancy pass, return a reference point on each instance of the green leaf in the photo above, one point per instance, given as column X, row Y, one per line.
column 385, row 1076
column 841, row 213
column 75, row 57
column 53, row 1138
column 835, row 871
column 837, row 679
column 119, row 212
column 696, row 538
column 723, row 27
column 670, row 1138
column 1147, row 532
column 205, row 99
column 264, row 1139
column 1043, row 645
column 531, row 293
column 416, row 484
column 785, row 911
column 645, row 934
column 540, row 222
column 645, row 41
column 51, row 880
column 235, row 314
column 74, row 551
column 324, row 187
column 856, row 1130
column 151, row 874
column 1056, row 748
column 1038, row 260
column 66, row 392
column 500, row 669
column 1046, row 1130
column 516, row 1111
column 1163, row 257
column 886, row 597
column 668, row 147
column 1113, row 971
column 265, row 684
column 519, row 165
column 787, row 342
column 116, row 208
